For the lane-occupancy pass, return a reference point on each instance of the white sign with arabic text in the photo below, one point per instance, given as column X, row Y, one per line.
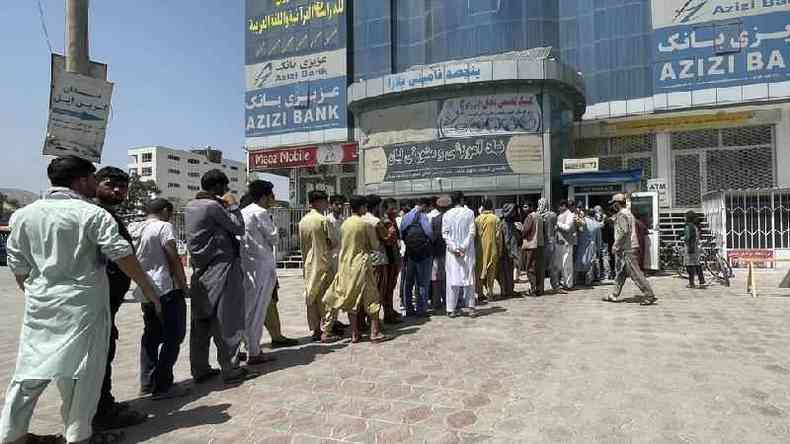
column 496, row 114
column 78, row 110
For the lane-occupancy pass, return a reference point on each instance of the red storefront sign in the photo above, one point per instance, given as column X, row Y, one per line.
column 303, row 156
column 760, row 258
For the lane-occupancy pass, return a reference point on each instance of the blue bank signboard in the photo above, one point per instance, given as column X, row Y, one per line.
column 295, row 66
column 703, row 44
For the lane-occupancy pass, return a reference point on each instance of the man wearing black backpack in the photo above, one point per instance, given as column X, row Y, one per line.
column 417, row 234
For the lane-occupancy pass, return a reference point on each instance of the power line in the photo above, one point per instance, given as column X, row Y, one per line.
column 44, row 26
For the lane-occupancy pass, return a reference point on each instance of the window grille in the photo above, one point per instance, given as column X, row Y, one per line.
column 695, row 139
column 687, row 181
column 748, row 136
column 740, row 169
column 610, row 163
column 633, row 144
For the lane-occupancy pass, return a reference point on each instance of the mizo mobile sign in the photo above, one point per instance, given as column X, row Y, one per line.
column 303, row 156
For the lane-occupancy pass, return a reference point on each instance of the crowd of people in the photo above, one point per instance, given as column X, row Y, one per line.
column 448, row 258
column 75, row 259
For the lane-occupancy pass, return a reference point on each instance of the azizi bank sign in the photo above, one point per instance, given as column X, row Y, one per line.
column 704, row 44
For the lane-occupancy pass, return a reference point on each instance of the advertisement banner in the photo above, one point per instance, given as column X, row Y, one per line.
column 753, row 48
column 497, row 114
column 296, row 73
column 296, row 69
column 79, row 107
column 303, row 156
column 308, row 106
column 477, row 156
column 277, row 29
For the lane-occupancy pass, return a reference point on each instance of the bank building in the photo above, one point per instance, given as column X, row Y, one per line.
column 682, row 103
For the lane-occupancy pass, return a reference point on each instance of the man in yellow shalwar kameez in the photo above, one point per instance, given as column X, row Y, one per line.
column 355, row 288
column 488, row 250
column 314, row 239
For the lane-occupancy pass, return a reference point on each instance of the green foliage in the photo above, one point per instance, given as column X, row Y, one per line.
column 140, row 192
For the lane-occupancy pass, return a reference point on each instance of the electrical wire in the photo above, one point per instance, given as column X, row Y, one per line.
column 44, row 25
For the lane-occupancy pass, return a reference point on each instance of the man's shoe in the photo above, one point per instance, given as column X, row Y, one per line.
column 284, row 342
column 118, row 419
column 175, row 391
column 649, row 301
column 452, row 314
column 211, row 374
column 145, row 390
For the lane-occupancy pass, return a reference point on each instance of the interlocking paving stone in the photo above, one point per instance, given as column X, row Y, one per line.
column 700, row 367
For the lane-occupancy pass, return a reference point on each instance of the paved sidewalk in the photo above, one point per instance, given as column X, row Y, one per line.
column 700, row 367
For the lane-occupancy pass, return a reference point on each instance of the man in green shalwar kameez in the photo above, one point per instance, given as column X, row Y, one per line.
column 354, row 288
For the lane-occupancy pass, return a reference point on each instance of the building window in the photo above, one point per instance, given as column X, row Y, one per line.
column 234, row 168
column 194, row 161
column 174, row 171
column 234, row 179
column 132, row 171
column 148, row 157
column 146, row 172
column 173, row 185
column 133, row 158
column 234, row 191
column 193, row 174
column 193, row 188
column 173, row 157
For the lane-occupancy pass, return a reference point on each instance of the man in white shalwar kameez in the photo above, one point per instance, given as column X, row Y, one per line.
column 258, row 263
column 57, row 249
column 458, row 232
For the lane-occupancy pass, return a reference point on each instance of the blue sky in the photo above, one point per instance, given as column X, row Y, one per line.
column 177, row 66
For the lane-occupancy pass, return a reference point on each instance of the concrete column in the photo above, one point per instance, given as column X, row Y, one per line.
column 783, row 149
column 664, row 162
column 547, row 155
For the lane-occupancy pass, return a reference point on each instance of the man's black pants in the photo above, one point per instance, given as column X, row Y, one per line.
column 161, row 341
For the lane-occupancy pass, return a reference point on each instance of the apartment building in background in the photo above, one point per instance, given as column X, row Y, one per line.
column 177, row 173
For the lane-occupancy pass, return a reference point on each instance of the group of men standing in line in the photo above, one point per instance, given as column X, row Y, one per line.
column 74, row 258
column 448, row 258
column 571, row 248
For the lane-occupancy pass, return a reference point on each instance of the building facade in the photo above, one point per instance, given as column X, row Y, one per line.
column 177, row 173
column 686, row 97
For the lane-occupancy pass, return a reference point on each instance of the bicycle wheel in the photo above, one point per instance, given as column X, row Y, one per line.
column 725, row 269
column 714, row 268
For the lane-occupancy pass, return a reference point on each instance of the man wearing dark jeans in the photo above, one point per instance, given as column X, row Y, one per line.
column 156, row 364
column 417, row 234
column 111, row 191
column 157, row 251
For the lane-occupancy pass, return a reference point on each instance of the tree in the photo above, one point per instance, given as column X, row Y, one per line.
column 140, row 193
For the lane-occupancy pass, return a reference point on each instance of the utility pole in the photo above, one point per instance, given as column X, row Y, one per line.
column 77, row 48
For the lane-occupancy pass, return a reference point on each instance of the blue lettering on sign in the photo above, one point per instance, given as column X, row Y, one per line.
column 300, row 107
column 722, row 54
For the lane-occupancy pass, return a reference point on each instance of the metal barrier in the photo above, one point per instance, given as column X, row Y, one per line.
column 749, row 219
